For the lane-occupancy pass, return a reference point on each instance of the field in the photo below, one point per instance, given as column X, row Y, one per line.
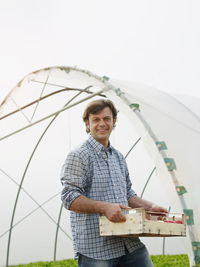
column 158, row 261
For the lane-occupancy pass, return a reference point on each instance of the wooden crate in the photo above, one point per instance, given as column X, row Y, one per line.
column 142, row 223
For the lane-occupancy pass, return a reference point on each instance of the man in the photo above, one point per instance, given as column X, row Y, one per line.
column 96, row 181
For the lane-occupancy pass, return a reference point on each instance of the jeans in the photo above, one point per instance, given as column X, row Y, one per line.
column 139, row 258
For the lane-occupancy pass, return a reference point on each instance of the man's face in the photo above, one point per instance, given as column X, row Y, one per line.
column 101, row 125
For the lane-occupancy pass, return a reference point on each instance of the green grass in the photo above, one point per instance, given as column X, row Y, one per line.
column 170, row 260
column 63, row 263
column 158, row 261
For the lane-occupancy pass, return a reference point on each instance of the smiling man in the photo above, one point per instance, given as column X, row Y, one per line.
column 96, row 181
column 100, row 125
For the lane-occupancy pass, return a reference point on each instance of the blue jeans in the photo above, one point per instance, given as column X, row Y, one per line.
column 139, row 258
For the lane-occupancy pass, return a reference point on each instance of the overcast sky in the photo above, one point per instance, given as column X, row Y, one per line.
column 151, row 42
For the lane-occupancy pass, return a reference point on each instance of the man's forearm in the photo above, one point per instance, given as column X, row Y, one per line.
column 113, row 211
column 137, row 202
column 83, row 204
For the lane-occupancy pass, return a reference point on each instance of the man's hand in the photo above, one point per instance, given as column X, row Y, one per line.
column 114, row 212
column 137, row 202
column 157, row 208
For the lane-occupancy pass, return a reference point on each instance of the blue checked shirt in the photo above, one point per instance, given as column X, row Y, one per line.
column 99, row 174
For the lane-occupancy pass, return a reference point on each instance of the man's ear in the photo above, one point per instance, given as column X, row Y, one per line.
column 87, row 125
column 114, row 121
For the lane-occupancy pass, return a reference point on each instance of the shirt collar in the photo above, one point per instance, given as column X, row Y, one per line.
column 99, row 147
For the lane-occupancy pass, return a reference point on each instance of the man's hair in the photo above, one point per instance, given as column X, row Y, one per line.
column 96, row 106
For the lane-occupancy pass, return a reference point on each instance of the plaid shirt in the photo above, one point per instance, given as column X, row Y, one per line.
column 100, row 174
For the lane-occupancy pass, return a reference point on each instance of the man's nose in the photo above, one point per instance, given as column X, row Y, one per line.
column 101, row 123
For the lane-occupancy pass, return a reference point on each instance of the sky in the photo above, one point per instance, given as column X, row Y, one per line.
column 152, row 42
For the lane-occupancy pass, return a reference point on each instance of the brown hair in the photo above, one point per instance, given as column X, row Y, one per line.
column 96, row 106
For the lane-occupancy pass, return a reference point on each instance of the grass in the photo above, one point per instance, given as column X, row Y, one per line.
column 158, row 261
column 63, row 263
column 170, row 260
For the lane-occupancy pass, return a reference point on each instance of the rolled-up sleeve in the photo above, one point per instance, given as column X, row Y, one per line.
column 73, row 175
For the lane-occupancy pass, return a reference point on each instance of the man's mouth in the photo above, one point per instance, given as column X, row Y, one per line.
column 102, row 131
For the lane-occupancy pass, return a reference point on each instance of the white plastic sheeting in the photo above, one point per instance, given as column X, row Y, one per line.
column 40, row 123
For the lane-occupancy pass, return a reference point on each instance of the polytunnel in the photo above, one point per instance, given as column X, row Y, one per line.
column 40, row 122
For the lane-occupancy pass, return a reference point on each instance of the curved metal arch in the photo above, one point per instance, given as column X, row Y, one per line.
column 46, row 96
column 52, row 114
column 25, row 171
column 148, row 179
column 164, row 238
column 57, row 229
column 62, row 68
column 132, row 147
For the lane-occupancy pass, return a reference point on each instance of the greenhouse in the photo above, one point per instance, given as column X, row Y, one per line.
column 41, row 121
